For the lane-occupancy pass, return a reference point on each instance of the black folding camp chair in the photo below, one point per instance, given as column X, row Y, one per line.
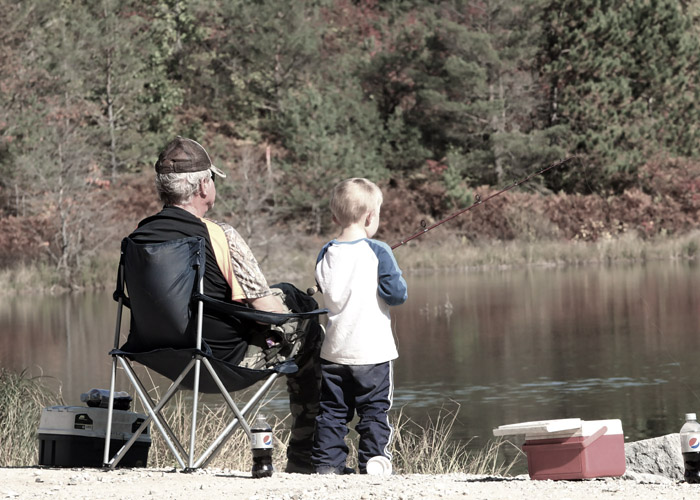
column 162, row 285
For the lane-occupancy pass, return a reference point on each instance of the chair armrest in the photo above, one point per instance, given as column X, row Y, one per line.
column 119, row 294
column 241, row 311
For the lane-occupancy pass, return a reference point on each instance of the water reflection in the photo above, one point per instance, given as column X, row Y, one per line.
column 65, row 338
column 503, row 346
column 594, row 343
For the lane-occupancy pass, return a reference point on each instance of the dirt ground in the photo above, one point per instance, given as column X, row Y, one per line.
column 35, row 482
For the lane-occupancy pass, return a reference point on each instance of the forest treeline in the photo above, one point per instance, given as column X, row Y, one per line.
column 435, row 100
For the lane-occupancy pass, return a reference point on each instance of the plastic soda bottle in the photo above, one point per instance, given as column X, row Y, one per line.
column 261, row 446
column 690, row 448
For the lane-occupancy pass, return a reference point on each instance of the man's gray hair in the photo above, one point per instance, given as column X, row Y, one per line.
column 178, row 189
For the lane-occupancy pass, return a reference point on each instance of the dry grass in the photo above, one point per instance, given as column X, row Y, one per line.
column 417, row 449
column 431, row 449
column 457, row 253
column 439, row 250
column 212, row 418
column 21, row 401
column 235, row 454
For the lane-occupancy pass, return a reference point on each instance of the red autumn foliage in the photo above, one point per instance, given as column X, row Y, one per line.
column 23, row 239
column 120, row 205
column 665, row 202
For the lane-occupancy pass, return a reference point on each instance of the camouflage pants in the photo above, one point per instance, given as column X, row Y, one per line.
column 300, row 339
column 304, row 388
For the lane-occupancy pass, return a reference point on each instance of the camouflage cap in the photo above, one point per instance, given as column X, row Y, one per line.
column 183, row 155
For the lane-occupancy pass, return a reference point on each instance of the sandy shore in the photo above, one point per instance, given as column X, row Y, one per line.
column 35, row 482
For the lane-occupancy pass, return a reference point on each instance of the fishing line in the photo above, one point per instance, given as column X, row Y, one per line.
column 478, row 201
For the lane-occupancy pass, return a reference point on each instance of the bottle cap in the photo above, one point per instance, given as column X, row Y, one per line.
column 379, row 466
column 690, row 416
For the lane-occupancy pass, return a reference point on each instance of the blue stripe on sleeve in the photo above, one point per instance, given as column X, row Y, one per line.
column 391, row 285
column 323, row 252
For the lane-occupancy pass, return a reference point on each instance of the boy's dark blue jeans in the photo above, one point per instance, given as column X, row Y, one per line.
column 346, row 389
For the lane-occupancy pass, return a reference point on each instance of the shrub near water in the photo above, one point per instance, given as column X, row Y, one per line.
column 212, row 419
column 22, row 399
column 416, row 449
column 430, row 449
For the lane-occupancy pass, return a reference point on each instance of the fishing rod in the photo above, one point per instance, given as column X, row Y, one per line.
column 478, row 201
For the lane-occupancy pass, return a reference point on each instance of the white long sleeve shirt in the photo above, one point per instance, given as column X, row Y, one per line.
column 359, row 280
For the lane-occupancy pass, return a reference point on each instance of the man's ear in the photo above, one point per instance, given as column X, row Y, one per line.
column 203, row 187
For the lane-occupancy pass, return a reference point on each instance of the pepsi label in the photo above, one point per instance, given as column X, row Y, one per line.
column 261, row 440
column 690, row 443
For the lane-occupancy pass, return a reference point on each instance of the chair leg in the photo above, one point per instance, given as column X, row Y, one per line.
column 215, row 447
column 154, row 414
column 186, row 460
column 110, row 409
column 195, row 400
column 162, row 425
column 110, row 405
column 172, row 390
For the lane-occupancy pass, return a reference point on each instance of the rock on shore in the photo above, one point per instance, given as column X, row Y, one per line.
column 659, row 456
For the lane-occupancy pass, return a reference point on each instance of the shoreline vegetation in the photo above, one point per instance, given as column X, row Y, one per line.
column 435, row 254
column 441, row 105
column 425, row 449
column 417, row 449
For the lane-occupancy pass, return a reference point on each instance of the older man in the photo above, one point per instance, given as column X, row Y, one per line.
column 186, row 184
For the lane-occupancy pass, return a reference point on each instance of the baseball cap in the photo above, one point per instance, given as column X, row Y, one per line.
column 183, row 155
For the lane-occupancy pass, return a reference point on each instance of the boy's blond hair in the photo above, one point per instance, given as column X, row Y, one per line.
column 353, row 198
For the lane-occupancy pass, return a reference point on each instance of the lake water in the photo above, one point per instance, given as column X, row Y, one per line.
column 499, row 347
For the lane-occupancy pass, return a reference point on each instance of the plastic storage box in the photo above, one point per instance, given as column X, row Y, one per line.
column 571, row 448
column 74, row 436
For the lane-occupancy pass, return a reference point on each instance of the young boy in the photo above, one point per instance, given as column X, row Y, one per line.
column 359, row 279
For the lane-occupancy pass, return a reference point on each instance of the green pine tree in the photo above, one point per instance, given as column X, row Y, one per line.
column 454, row 80
column 622, row 78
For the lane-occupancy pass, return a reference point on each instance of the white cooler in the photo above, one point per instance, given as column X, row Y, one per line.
column 74, row 436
